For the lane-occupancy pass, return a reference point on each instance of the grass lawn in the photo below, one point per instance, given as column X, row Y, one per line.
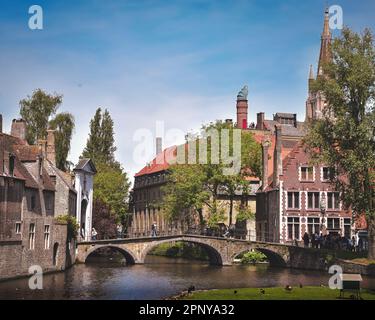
column 305, row 293
column 364, row 261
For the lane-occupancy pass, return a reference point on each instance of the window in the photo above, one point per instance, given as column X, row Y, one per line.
column 313, row 225
column 293, row 200
column 46, row 236
column 333, row 200
column 328, row 173
column 307, row 173
column 333, row 223
column 347, row 228
column 18, row 227
column 32, row 236
column 11, row 164
column 313, row 200
column 293, row 229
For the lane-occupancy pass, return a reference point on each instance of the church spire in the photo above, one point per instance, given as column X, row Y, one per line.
column 311, row 73
column 325, row 47
column 311, row 77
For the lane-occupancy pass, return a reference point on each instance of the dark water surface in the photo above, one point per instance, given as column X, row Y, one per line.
column 160, row 278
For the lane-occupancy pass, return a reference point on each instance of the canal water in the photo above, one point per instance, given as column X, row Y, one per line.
column 159, row 278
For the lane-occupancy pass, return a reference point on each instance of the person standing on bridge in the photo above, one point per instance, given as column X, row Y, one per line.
column 153, row 230
column 306, row 239
column 93, row 234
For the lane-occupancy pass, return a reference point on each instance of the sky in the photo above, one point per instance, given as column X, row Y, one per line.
column 180, row 63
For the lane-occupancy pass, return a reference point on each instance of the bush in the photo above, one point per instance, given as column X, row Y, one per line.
column 253, row 257
column 180, row 250
column 72, row 223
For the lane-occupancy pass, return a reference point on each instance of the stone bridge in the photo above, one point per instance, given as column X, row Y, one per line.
column 221, row 251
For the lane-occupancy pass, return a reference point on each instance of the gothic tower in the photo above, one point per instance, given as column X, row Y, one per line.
column 315, row 102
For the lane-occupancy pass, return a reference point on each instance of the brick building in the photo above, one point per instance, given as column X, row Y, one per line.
column 147, row 195
column 292, row 193
column 33, row 192
column 297, row 197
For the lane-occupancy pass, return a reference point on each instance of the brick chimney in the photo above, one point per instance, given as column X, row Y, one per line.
column 260, row 121
column 51, row 149
column 277, row 161
column 265, row 147
column 1, row 123
column 18, row 129
column 242, row 107
column 42, row 144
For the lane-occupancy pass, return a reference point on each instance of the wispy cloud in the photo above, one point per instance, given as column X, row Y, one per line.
column 181, row 62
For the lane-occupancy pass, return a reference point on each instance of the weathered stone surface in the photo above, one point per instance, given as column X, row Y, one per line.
column 221, row 251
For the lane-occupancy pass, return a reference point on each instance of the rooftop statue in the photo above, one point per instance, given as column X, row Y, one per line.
column 242, row 95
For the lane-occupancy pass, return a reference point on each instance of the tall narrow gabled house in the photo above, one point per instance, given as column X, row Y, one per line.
column 297, row 197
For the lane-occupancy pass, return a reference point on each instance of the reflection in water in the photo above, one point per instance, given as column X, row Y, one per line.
column 159, row 278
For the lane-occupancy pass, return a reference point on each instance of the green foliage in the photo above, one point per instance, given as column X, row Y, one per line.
column 180, row 250
column 193, row 187
column 72, row 223
column 63, row 124
column 36, row 111
column 345, row 137
column 100, row 144
column 245, row 213
column 185, row 191
column 253, row 257
column 276, row 293
column 111, row 186
column 217, row 215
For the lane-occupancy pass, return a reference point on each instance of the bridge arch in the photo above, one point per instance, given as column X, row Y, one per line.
column 274, row 258
column 214, row 256
column 129, row 256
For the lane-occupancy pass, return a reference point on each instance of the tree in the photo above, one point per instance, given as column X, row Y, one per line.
column 185, row 191
column 108, row 140
column 111, row 186
column 103, row 221
column 63, row 124
column 192, row 187
column 100, row 144
column 36, row 111
column 344, row 137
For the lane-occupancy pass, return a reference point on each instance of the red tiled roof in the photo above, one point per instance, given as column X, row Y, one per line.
column 160, row 163
column 27, row 153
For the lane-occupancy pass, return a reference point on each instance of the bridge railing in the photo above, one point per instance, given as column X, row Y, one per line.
column 250, row 235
